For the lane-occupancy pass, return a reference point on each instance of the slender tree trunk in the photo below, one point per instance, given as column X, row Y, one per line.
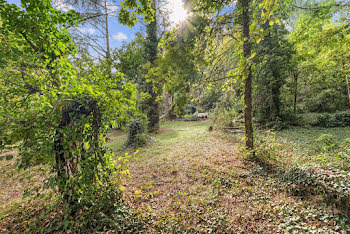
column 248, row 109
column 295, row 91
column 276, row 113
column 108, row 52
column 347, row 88
column 347, row 83
column 152, row 51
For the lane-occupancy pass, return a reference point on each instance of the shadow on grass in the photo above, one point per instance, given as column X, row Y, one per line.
column 305, row 182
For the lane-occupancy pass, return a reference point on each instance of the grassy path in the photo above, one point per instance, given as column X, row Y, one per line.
column 189, row 181
column 192, row 180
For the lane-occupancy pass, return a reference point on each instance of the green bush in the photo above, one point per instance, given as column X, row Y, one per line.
column 107, row 213
column 328, row 100
column 136, row 135
column 322, row 120
column 289, row 117
column 340, row 119
column 267, row 147
column 333, row 154
column 225, row 117
column 276, row 125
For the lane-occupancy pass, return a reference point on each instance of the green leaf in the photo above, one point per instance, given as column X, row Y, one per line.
column 9, row 157
column 26, row 193
column 252, row 55
column 258, row 40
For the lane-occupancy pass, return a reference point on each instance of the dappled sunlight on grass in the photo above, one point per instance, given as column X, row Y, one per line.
column 192, row 180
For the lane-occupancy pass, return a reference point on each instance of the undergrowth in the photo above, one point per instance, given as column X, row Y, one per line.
column 325, row 174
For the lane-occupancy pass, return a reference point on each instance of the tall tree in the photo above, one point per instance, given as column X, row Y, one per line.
column 246, row 18
column 93, row 33
column 244, row 7
column 152, row 52
column 58, row 114
column 273, row 65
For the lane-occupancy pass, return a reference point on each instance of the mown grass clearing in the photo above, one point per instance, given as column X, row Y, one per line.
column 192, row 180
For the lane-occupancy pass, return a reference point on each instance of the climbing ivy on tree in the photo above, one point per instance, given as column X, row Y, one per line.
column 58, row 114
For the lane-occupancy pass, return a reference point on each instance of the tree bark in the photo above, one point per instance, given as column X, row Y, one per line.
column 248, row 109
column 347, row 88
column 108, row 52
column 67, row 163
column 152, row 51
column 295, row 91
column 347, row 83
column 66, row 166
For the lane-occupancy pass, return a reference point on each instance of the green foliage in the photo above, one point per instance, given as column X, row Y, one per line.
column 332, row 183
column 131, row 9
column 136, row 135
column 321, row 41
column 108, row 212
column 339, row 119
column 130, row 59
column 323, row 120
column 210, row 98
column 328, row 100
column 175, row 72
column 273, row 65
column 57, row 113
column 300, row 179
column 277, row 125
column 228, row 109
column 333, row 154
column 266, row 150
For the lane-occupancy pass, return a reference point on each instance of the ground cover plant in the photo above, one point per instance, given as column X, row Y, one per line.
column 174, row 116
column 203, row 185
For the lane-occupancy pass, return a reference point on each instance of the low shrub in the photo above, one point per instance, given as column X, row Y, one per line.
column 340, row 119
column 328, row 100
column 333, row 184
column 136, row 135
column 290, row 118
column 276, row 125
column 267, row 147
column 266, row 151
column 223, row 117
column 333, row 154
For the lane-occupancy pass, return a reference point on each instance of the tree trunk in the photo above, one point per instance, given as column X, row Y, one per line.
column 152, row 50
column 347, row 83
column 348, row 89
column 67, row 162
column 248, row 123
column 108, row 52
column 66, row 166
column 295, row 91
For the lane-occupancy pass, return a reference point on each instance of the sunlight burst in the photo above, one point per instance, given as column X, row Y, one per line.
column 177, row 11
